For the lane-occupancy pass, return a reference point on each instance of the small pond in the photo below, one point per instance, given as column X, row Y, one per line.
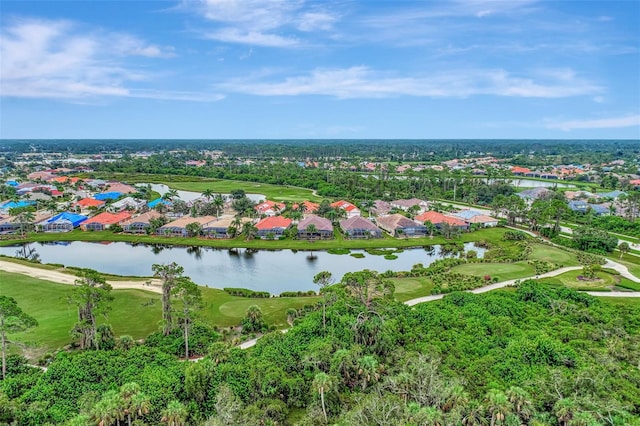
column 274, row 271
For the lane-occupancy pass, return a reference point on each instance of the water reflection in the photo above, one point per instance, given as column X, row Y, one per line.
column 274, row 271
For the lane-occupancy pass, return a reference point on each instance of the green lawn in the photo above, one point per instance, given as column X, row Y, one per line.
column 134, row 312
column 553, row 254
column 192, row 183
column 503, row 271
column 410, row 288
column 604, row 281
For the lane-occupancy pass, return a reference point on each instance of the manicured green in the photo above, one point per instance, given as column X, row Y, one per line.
column 570, row 279
column 411, row 288
column 553, row 254
column 503, row 271
column 135, row 312
column 225, row 186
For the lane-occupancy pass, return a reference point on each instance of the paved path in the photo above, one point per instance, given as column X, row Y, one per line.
column 494, row 286
column 623, row 270
column 65, row 278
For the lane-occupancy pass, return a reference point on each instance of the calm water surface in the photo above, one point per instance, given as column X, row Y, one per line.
column 264, row 270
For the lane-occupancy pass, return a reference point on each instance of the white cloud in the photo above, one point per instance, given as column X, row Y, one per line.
column 362, row 82
column 62, row 60
column 270, row 23
column 599, row 123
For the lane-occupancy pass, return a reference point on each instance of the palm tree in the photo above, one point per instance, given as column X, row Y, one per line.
column 170, row 195
column 140, row 404
column 249, row 230
column 457, row 398
column 583, row 418
column 127, row 392
column 323, row 383
column 208, row 194
column 473, row 414
column 521, row 401
column 323, row 279
column 498, row 405
column 564, row 409
column 368, row 369
column 175, row 414
column 311, row 229
column 218, row 203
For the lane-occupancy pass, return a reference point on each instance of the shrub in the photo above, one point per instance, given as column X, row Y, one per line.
column 245, row 292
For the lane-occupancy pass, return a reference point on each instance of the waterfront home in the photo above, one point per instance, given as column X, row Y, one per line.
column 273, row 227
column 140, row 223
column 104, row 220
column 314, row 227
column 614, row 195
column 582, row 207
column 62, row 222
column 398, row 225
column 438, row 219
column 11, row 224
column 421, row 205
column 350, row 209
column 221, row 228
column 178, row 227
column 476, row 217
column 532, row 194
column 154, row 203
column 269, row 208
column 358, row 227
column 123, row 188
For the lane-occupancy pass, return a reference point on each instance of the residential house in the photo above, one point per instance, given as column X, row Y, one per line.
column 359, row 227
column 111, row 195
column 152, row 204
column 398, row 225
column 519, row 171
column 582, row 207
column 140, row 223
column 438, row 219
column 127, row 203
column 8, row 205
column 530, row 195
column 273, row 227
column 11, row 224
column 220, row 227
column 104, row 220
column 178, row 227
column 421, row 205
column 350, row 209
column 309, row 206
column 323, row 228
column 614, row 195
column 122, row 188
column 380, row 208
column 482, row 220
column 269, row 208
column 62, row 222
column 88, row 204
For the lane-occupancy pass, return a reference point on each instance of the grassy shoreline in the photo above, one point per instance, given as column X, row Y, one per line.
column 101, row 236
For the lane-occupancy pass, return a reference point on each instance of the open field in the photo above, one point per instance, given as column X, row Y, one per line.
column 192, row 183
column 489, row 234
column 134, row 312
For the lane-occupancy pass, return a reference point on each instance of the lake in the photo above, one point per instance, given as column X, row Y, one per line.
column 263, row 270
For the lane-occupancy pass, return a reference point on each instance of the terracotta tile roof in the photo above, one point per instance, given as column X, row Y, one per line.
column 107, row 218
column 90, row 202
column 273, row 222
column 435, row 218
column 143, row 218
column 394, row 221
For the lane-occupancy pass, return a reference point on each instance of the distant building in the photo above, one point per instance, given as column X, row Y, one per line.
column 350, row 209
column 269, row 208
column 178, row 227
column 405, row 205
column 438, row 219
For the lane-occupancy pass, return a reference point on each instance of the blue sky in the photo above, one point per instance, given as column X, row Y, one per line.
column 302, row 69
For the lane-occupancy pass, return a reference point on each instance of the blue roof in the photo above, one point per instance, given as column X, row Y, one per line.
column 75, row 219
column 598, row 209
column 13, row 205
column 612, row 194
column 467, row 214
column 152, row 204
column 12, row 183
column 107, row 196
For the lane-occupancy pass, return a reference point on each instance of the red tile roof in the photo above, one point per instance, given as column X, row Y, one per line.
column 273, row 222
column 107, row 218
column 518, row 169
column 435, row 218
column 90, row 202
